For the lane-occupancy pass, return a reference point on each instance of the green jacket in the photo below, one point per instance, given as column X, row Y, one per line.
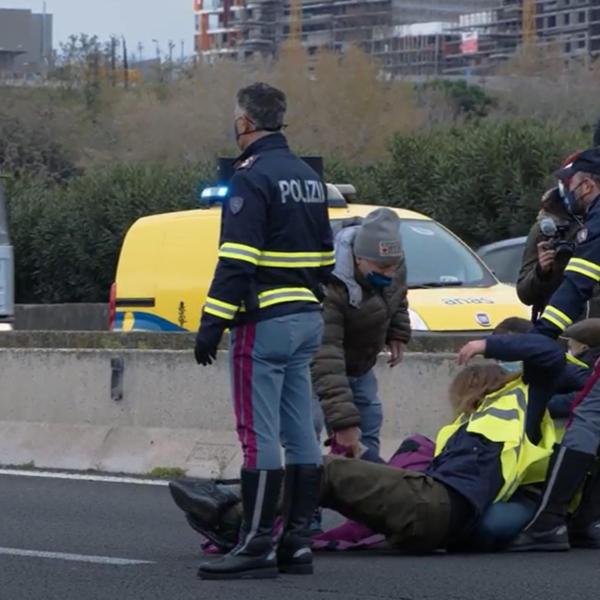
column 359, row 321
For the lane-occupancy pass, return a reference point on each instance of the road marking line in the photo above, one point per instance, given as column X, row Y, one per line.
column 102, row 560
column 83, row 477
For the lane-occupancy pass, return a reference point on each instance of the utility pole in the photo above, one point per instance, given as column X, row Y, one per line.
column 113, row 59
column 159, row 65
column 140, row 48
column 125, row 64
column 171, row 46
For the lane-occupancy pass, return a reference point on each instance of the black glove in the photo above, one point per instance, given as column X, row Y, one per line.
column 204, row 354
column 207, row 342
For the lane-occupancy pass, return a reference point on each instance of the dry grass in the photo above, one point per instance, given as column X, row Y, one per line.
column 339, row 107
column 539, row 83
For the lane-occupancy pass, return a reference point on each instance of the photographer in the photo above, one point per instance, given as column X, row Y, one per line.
column 549, row 247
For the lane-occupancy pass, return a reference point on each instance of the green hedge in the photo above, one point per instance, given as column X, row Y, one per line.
column 67, row 237
column 483, row 180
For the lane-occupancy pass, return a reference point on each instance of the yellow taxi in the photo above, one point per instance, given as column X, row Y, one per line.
column 167, row 262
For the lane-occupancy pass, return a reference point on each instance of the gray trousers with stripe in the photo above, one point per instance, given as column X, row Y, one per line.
column 272, row 390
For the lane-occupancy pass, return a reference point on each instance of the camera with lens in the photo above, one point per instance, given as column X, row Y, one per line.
column 556, row 234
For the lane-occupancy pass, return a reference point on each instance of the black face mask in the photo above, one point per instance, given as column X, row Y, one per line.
column 255, row 130
column 572, row 204
column 240, row 135
column 578, row 203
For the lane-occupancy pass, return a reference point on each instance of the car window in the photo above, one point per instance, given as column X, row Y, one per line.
column 505, row 262
column 435, row 256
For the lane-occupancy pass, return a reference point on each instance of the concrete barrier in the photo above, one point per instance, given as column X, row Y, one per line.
column 75, row 316
column 140, row 340
column 57, row 411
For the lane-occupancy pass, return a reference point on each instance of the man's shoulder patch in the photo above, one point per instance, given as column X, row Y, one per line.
column 236, row 204
column 582, row 235
column 247, row 163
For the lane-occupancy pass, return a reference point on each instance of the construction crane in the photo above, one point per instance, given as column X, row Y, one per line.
column 528, row 23
column 296, row 20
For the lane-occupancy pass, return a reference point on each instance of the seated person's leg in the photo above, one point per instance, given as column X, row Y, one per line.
column 411, row 509
column 502, row 522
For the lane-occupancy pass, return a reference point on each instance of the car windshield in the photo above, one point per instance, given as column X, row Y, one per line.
column 435, row 258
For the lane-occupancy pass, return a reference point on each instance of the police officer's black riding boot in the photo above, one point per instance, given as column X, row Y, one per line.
column 301, row 497
column 548, row 529
column 584, row 527
column 254, row 556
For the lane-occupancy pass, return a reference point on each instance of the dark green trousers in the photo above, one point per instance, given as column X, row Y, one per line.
column 411, row 509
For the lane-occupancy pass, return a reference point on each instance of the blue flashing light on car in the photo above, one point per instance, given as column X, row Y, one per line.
column 214, row 193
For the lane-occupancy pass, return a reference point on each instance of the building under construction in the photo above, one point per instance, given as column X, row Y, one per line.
column 417, row 37
column 241, row 28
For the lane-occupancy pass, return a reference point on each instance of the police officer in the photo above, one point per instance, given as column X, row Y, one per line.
column 276, row 249
column 576, row 454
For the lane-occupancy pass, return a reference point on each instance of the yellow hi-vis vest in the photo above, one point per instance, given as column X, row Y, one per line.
column 501, row 418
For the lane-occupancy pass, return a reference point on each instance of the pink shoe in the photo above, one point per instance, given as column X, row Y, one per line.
column 349, row 531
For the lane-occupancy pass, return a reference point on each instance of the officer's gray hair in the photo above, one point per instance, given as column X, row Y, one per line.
column 264, row 104
column 593, row 176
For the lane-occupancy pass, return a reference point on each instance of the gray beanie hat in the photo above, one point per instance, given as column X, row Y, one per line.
column 378, row 238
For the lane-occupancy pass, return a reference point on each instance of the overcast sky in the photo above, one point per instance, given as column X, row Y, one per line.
column 138, row 20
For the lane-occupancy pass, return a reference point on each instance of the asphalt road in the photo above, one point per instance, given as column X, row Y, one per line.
column 81, row 540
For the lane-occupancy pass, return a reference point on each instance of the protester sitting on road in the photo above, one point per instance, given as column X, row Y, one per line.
column 501, row 440
column 365, row 308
